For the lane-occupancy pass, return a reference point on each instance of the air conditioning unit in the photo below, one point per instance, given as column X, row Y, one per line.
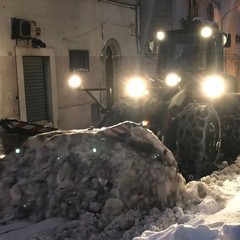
column 22, row 28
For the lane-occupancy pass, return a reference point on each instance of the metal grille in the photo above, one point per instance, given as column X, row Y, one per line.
column 79, row 60
column 34, row 68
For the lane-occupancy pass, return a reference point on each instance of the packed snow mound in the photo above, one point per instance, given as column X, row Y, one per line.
column 107, row 171
column 216, row 217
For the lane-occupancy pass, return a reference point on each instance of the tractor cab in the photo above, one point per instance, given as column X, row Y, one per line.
column 190, row 51
column 192, row 58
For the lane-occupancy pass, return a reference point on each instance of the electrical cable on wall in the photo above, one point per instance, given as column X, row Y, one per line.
column 121, row 4
column 85, row 33
column 99, row 26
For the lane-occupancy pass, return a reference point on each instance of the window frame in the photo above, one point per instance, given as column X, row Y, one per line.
column 79, row 60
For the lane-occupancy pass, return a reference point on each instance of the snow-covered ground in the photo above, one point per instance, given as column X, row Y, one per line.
column 217, row 217
column 133, row 191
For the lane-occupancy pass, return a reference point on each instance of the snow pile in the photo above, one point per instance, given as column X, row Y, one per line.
column 112, row 183
column 104, row 180
column 216, row 217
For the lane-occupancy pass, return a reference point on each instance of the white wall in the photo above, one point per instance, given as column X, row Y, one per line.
column 66, row 24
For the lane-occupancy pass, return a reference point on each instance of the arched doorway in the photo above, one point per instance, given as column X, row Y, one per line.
column 111, row 56
column 109, row 77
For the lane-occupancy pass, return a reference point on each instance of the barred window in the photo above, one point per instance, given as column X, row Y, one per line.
column 79, row 60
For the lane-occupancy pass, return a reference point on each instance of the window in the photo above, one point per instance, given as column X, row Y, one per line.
column 79, row 60
column 195, row 8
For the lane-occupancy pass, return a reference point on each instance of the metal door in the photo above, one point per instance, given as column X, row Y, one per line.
column 35, row 69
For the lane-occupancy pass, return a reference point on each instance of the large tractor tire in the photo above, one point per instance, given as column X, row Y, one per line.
column 198, row 140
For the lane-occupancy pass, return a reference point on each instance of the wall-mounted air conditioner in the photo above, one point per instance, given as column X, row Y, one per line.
column 22, row 28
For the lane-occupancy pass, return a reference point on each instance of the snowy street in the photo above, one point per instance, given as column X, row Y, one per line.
column 26, row 230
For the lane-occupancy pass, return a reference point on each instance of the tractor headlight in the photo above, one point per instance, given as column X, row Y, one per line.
column 136, row 87
column 206, row 32
column 74, row 81
column 172, row 79
column 160, row 35
column 213, row 86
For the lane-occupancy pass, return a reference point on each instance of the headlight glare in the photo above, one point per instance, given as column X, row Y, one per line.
column 160, row 35
column 172, row 79
column 206, row 32
column 136, row 87
column 213, row 86
column 74, row 81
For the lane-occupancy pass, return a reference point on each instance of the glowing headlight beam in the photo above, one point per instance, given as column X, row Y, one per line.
column 160, row 35
column 136, row 87
column 213, row 86
column 172, row 79
column 74, row 81
column 206, row 32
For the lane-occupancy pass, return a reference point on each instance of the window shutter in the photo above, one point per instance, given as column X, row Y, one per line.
column 35, row 88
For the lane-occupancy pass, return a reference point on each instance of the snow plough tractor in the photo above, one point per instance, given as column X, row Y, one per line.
column 192, row 104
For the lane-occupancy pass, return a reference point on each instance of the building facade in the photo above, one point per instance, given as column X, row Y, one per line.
column 44, row 42
column 102, row 41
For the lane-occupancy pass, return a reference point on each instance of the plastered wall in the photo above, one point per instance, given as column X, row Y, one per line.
column 75, row 24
